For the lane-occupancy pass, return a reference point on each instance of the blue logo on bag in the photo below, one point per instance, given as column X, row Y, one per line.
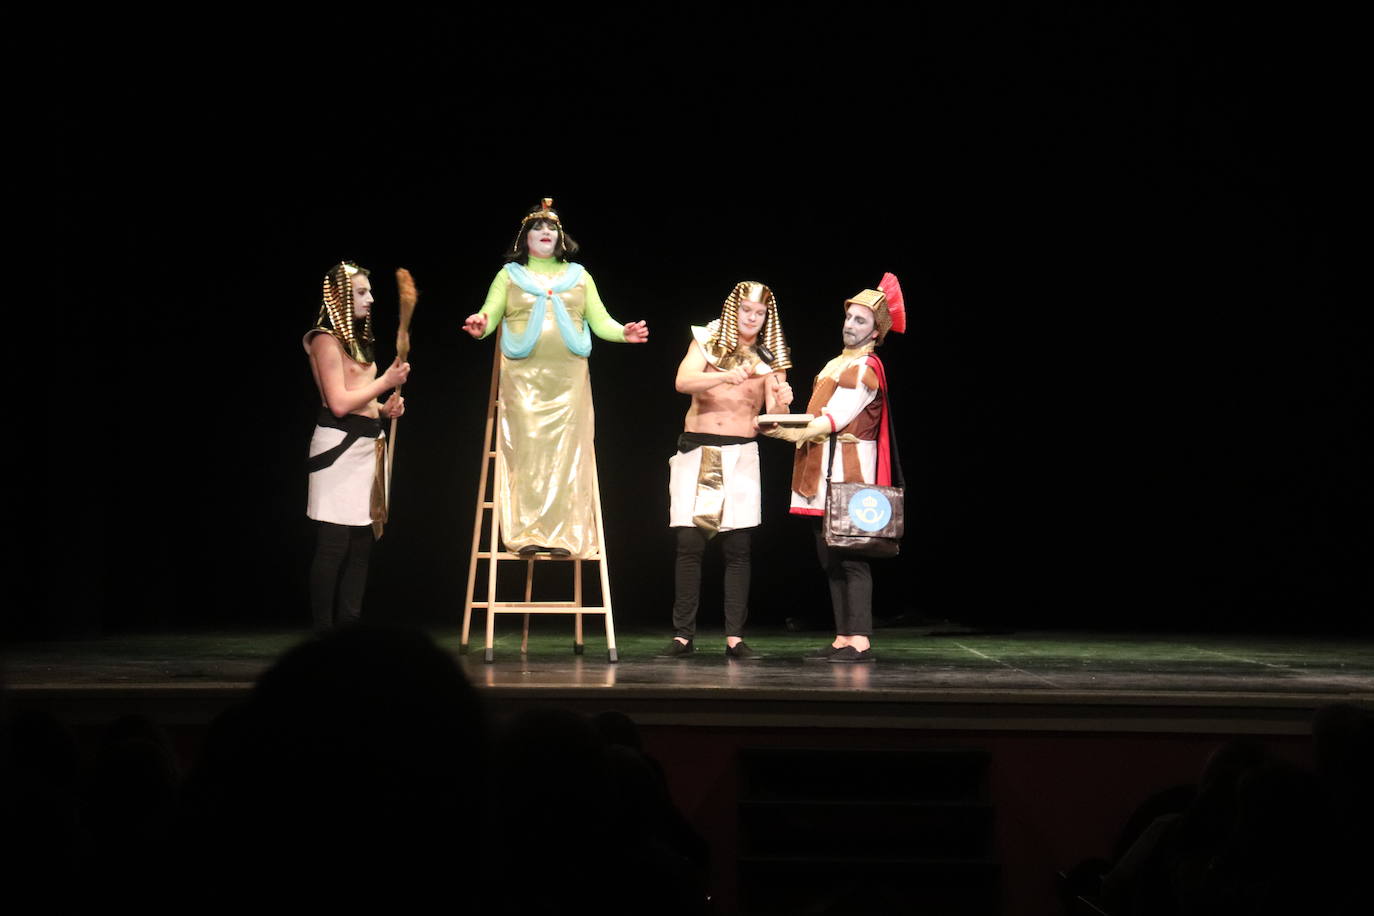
column 869, row 510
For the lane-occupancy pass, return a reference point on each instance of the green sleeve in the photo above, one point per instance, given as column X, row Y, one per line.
column 495, row 306
column 602, row 324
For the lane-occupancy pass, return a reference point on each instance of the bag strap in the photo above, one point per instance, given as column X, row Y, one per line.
column 830, row 465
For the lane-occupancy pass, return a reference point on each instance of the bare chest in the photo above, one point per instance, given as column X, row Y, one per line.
column 356, row 375
column 744, row 396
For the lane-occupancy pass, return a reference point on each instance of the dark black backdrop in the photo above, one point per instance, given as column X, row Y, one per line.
column 1134, row 390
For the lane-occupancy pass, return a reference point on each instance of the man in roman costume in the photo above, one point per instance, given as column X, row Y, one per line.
column 734, row 367
column 347, row 454
column 848, row 403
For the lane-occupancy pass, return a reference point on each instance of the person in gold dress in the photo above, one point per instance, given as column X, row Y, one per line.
column 547, row 307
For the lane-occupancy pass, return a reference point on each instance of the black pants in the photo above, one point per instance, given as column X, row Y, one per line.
column 851, row 588
column 338, row 573
column 691, row 544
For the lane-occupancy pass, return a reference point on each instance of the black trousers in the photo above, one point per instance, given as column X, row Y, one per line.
column 691, row 545
column 851, row 588
column 338, row 573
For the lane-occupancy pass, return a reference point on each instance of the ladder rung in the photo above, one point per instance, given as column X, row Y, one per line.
column 501, row 604
column 488, row 505
column 513, row 608
column 526, row 604
column 506, row 555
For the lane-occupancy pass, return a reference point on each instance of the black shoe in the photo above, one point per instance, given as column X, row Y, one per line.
column 530, row 550
column 820, row 655
column 848, row 655
column 676, row 649
column 741, row 650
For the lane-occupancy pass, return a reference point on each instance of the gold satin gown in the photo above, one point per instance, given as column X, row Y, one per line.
column 545, row 453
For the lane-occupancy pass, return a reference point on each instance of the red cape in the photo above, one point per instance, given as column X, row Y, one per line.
column 884, row 475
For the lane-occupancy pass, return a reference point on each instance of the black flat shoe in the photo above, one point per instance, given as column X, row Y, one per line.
column 530, row 550
column 741, row 650
column 676, row 649
column 820, row 655
column 848, row 655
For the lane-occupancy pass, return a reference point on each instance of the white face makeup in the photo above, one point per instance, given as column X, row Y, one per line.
column 542, row 239
column 750, row 317
column 362, row 296
column 858, row 326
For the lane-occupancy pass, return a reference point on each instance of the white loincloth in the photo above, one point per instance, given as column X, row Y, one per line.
column 342, row 492
column 740, row 477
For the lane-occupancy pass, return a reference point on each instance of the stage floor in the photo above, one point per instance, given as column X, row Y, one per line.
column 923, row 678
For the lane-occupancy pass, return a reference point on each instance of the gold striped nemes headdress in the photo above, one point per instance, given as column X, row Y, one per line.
column 336, row 312
column 772, row 346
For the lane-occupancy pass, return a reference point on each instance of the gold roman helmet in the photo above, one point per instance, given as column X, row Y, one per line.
column 724, row 339
column 889, row 311
column 336, row 313
column 544, row 211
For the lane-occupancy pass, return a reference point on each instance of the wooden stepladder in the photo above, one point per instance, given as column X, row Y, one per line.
column 494, row 553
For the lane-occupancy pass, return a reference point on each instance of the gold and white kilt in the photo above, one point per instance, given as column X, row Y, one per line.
column 715, row 487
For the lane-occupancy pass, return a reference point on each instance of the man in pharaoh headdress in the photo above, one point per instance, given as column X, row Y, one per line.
column 347, row 458
column 734, row 367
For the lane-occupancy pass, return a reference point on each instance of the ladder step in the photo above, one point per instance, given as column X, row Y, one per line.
column 525, row 604
column 506, row 555
column 543, row 609
column 488, row 505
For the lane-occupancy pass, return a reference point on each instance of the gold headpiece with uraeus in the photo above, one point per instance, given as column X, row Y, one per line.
column 723, row 347
column 543, row 211
column 336, row 313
